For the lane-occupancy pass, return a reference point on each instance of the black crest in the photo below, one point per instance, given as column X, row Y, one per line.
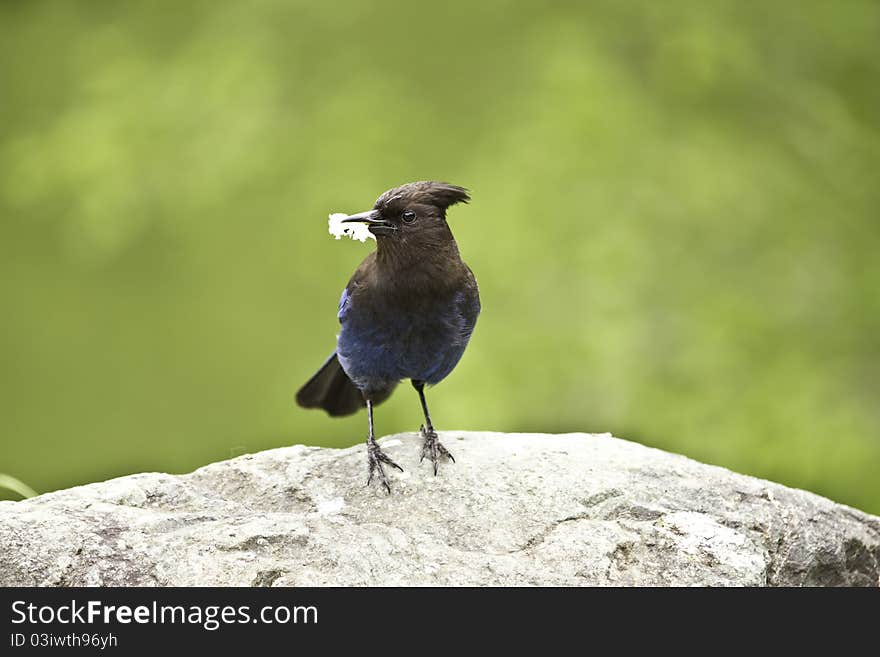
column 426, row 192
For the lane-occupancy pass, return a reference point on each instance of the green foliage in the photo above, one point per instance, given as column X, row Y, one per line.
column 675, row 224
column 9, row 483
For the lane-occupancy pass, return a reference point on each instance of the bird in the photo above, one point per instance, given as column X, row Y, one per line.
column 408, row 312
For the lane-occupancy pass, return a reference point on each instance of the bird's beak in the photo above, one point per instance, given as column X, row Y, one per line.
column 374, row 221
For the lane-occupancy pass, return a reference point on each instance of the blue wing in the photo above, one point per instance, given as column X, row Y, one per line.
column 343, row 305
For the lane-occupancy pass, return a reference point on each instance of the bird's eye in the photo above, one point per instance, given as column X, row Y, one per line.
column 409, row 216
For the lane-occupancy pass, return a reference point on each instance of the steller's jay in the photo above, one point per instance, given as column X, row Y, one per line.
column 407, row 313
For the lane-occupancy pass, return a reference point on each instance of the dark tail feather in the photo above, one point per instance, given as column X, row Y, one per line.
column 333, row 391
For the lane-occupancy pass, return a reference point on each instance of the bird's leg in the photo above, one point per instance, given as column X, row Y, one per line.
column 376, row 457
column 431, row 447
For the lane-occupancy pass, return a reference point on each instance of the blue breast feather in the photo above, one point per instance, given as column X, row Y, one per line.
column 384, row 344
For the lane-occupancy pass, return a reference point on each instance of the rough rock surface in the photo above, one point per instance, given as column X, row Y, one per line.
column 515, row 509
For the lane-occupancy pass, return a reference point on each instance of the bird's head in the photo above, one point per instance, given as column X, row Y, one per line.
column 415, row 212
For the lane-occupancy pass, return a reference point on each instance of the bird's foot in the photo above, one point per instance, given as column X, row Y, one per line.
column 375, row 458
column 432, row 448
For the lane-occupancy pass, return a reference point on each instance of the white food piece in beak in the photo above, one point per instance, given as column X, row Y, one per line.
column 355, row 231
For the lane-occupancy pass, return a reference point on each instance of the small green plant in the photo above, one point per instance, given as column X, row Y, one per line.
column 11, row 483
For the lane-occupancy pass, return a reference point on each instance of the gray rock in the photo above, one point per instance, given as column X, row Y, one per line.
column 538, row 509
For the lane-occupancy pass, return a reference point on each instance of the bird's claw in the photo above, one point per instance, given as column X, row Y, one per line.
column 375, row 458
column 433, row 448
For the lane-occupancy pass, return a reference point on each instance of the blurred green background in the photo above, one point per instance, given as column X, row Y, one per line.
column 674, row 224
